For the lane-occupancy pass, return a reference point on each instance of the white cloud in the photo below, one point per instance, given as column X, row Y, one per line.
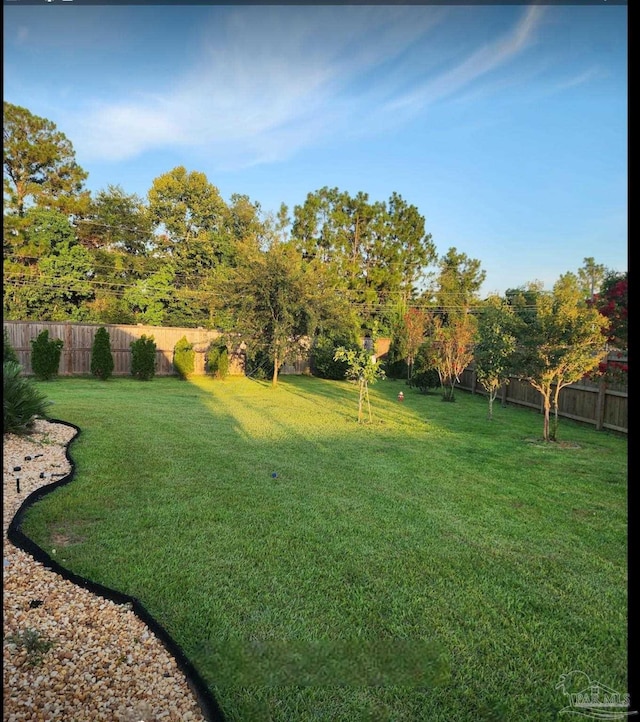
column 266, row 83
column 484, row 60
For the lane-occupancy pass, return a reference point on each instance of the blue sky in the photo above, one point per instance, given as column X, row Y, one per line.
column 505, row 125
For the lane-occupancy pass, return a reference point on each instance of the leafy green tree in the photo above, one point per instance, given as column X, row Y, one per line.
column 377, row 252
column 116, row 221
column 149, row 298
column 101, row 356
column 39, row 165
column 416, row 321
column 184, row 358
column 424, row 376
column 561, row 342
column 362, row 369
column 494, row 351
column 274, row 302
column 45, row 355
column 61, row 287
column 143, row 358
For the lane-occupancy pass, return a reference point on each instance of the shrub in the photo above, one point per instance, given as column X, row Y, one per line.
column 323, row 363
column 424, row 376
column 8, row 352
column 101, row 356
column 217, row 359
column 184, row 358
column 22, row 401
column 143, row 358
column 45, row 356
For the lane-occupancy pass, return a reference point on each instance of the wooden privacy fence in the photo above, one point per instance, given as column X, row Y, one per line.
column 597, row 404
column 78, row 342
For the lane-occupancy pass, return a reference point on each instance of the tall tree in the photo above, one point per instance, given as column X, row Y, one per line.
column 559, row 343
column 39, row 165
column 378, row 252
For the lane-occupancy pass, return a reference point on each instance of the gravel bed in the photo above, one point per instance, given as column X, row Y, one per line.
column 69, row 655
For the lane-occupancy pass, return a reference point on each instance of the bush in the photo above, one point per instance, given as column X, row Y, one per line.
column 323, row 363
column 184, row 358
column 424, row 377
column 101, row 356
column 22, row 401
column 217, row 360
column 8, row 352
column 143, row 358
column 45, row 356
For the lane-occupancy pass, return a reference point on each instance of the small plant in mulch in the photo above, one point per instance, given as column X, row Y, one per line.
column 34, row 643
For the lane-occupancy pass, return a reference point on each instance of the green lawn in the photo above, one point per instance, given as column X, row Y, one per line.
column 430, row 566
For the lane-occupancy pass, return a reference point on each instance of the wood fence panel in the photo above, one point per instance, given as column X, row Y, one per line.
column 78, row 342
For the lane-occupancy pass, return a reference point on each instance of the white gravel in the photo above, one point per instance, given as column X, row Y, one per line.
column 104, row 663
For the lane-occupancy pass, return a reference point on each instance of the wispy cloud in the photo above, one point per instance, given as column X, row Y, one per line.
column 479, row 63
column 266, row 83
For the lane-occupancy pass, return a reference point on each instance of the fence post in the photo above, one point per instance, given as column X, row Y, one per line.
column 503, row 396
column 474, row 381
column 68, row 349
column 600, row 404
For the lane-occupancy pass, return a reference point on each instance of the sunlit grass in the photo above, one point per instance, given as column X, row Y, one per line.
column 431, row 565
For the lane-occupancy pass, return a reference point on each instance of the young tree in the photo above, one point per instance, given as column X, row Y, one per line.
column 495, row 348
column 450, row 345
column 559, row 343
column 416, row 322
column 453, row 328
column 363, row 370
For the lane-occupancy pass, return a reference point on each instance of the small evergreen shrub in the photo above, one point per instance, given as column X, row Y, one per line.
column 101, row 356
column 21, row 400
column 8, row 352
column 45, row 356
column 184, row 358
column 143, row 358
column 217, row 360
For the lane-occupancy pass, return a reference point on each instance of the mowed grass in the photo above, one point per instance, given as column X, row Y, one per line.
column 429, row 566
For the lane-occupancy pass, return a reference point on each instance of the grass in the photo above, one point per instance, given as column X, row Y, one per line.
column 430, row 566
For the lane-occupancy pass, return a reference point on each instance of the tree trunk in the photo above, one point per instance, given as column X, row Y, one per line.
column 492, row 396
column 546, row 407
column 274, row 380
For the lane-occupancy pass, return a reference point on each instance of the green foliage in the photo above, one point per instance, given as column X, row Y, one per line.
column 101, row 356
column 45, row 355
column 35, row 643
column 8, row 352
column 363, row 370
column 143, row 358
column 21, row 400
column 323, row 361
column 217, row 359
column 39, row 163
column 184, row 358
column 424, row 376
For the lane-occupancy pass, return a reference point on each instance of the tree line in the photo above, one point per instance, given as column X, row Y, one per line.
column 340, row 267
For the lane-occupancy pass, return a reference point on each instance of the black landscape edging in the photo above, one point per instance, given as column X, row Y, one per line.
column 206, row 700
